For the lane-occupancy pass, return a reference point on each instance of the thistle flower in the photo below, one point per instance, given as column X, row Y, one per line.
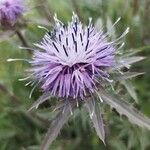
column 75, row 63
column 10, row 10
column 73, row 59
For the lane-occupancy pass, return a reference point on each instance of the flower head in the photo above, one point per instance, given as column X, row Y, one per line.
column 72, row 59
column 10, row 10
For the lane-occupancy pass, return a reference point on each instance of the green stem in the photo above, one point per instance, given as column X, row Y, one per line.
column 22, row 39
column 45, row 11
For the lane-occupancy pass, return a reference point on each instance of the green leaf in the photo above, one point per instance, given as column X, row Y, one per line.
column 96, row 117
column 40, row 100
column 130, row 88
column 127, row 75
column 126, row 62
column 124, row 108
column 56, row 125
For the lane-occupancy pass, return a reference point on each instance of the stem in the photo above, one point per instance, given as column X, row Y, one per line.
column 23, row 40
column 146, row 23
column 135, row 6
column 46, row 12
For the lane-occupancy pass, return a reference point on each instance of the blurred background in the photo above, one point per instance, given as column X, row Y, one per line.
column 20, row 130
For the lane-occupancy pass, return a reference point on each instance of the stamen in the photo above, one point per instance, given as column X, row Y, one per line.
column 23, row 79
column 65, row 50
column 77, row 102
column 90, row 21
column 41, row 27
column 49, row 33
column 87, row 45
column 64, row 26
column 17, row 59
column 75, row 31
column 122, row 35
column 111, row 28
column 33, row 90
column 28, row 83
column 102, row 49
column 21, row 47
column 81, row 37
column 100, row 98
column 67, row 41
column 76, row 25
column 73, row 37
column 120, row 48
column 59, row 37
column 75, row 43
column 88, row 33
column 55, row 46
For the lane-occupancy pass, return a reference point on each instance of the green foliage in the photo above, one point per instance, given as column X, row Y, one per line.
column 21, row 130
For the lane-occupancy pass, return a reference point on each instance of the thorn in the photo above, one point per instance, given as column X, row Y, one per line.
column 41, row 27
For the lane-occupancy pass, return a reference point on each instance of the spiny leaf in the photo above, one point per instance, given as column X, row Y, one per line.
column 126, row 62
column 132, row 52
column 40, row 100
column 127, row 75
column 130, row 89
column 124, row 108
column 57, row 124
column 96, row 117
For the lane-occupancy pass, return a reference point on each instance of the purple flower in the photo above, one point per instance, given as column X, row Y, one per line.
column 73, row 59
column 10, row 10
column 76, row 62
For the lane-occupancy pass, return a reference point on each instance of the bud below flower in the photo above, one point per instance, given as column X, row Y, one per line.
column 10, row 11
